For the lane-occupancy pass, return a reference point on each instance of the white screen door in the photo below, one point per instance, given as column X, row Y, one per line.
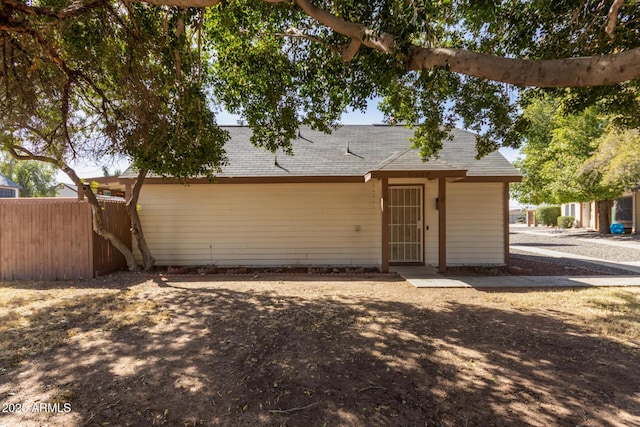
column 405, row 224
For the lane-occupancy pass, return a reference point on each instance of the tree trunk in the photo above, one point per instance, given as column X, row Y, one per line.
column 98, row 221
column 22, row 153
column 136, row 226
column 604, row 216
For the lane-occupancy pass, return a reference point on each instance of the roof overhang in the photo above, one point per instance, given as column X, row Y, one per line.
column 496, row 178
column 250, row 180
column 432, row 174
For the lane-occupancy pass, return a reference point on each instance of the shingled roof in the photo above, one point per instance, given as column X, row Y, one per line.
column 6, row 182
column 357, row 151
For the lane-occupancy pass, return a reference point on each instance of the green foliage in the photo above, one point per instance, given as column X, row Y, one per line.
column 123, row 77
column 278, row 68
column 617, row 158
column 566, row 221
column 548, row 215
column 34, row 178
column 557, row 144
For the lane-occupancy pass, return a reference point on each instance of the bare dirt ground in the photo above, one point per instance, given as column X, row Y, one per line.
column 142, row 350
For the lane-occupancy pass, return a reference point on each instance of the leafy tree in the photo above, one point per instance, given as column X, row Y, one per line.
column 433, row 63
column 119, row 79
column 108, row 76
column 34, row 178
column 616, row 158
column 282, row 63
column 557, row 145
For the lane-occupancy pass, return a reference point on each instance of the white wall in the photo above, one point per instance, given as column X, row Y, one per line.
column 263, row 224
column 475, row 223
column 475, row 228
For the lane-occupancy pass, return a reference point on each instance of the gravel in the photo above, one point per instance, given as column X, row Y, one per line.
column 579, row 243
column 547, row 266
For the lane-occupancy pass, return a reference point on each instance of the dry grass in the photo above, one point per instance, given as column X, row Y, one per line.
column 33, row 321
column 613, row 313
column 372, row 352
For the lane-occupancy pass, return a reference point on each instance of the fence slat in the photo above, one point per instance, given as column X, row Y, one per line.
column 52, row 239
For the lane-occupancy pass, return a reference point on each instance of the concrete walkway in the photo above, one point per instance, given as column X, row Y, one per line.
column 425, row 277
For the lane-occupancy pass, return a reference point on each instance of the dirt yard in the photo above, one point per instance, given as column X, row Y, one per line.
column 142, row 350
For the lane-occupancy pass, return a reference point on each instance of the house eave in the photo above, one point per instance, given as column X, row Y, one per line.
column 429, row 174
column 251, row 180
column 493, row 178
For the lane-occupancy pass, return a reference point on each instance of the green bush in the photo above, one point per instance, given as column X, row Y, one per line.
column 548, row 215
column 566, row 221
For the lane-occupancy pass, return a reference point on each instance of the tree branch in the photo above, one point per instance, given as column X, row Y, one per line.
column 350, row 50
column 74, row 9
column 612, row 17
column 384, row 42
column 568, row 72
column 296, row 33
column 16, row 150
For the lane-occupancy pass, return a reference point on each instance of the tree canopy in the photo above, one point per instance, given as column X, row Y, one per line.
column 35, row 179
column 89, row 79
column 557, row 147
column 617, row 159
column 283, row 63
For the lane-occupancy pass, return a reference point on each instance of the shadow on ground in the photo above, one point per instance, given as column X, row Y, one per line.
column 224, row 356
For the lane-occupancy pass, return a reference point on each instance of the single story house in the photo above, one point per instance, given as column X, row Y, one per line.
column 357, row 197
column 8, row 188
column 625, row 210
column 103, row 186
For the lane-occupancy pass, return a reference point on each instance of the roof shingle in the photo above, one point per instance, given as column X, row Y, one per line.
column 355, row 150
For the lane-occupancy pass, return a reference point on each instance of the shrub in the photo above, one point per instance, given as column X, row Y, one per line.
column 566, row 221
column 548, row 215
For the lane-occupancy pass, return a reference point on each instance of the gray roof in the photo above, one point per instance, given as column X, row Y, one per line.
column 370, row 148
column 6, row 182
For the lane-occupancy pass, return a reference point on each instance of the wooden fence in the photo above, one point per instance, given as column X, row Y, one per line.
column 53, row 239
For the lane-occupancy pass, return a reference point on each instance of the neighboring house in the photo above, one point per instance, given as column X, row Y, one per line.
column 66, row 190
column 584, row 213
column 8, row 188
column 104, row 186
column 625, row 210
column 516, row 215
column 356, row 197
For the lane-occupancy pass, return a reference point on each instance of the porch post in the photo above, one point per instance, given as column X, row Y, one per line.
column 442, row 225
column 384, row 206
column 505, row 201
column 635, row 211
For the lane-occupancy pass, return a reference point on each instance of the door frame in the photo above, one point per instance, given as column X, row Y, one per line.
column 422, row 221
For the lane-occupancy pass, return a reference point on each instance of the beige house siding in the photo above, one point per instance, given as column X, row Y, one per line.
column 475, row 228
column 263, row 224
column 431, row 215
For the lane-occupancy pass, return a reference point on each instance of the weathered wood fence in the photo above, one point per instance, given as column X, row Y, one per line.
column 53, row 239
